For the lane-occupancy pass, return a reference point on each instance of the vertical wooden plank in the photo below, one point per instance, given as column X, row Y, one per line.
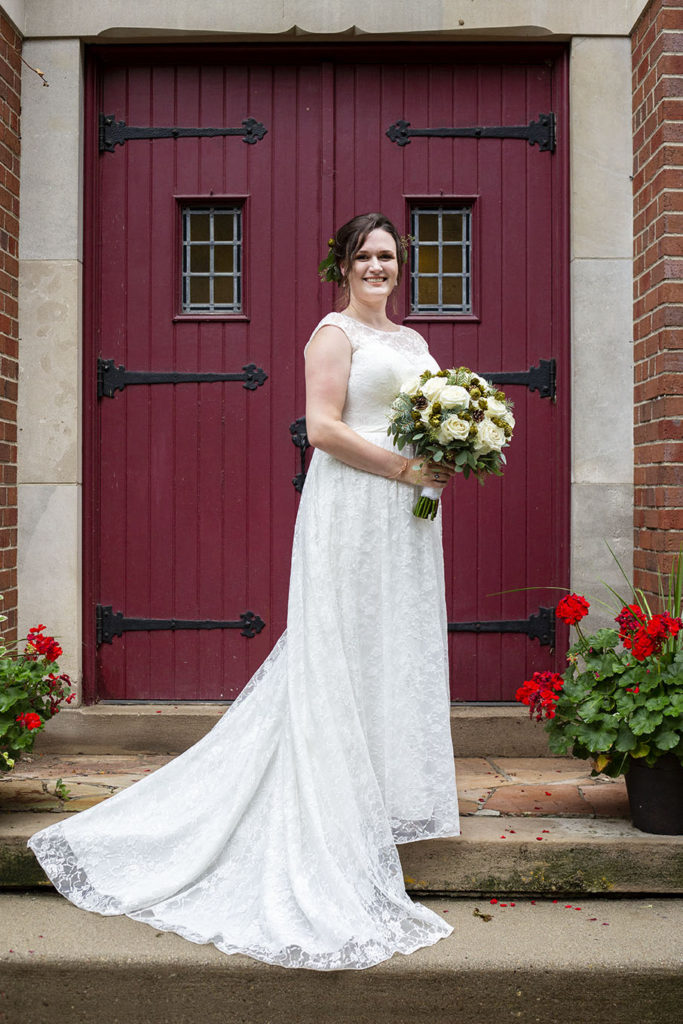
column 110, row 531
column 161, row 677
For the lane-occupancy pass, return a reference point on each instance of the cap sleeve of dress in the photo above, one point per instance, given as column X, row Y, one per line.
column 335, row 320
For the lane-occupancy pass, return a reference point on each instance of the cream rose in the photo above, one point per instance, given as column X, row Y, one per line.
column 454, row 397
column 489, row 437
column 426, row 413
column 412, row 386
column 433, row 387
column 496, row 408
column 453, row 429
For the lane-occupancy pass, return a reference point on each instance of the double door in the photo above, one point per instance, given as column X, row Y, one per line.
column 215, row 179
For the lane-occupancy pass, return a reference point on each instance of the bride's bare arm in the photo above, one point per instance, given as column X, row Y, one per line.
column 328, row 363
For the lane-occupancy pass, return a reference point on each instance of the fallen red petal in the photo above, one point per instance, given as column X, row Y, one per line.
column 493, row 901
column 547, row 793
column 540, row 838
column 533, row 903
column 546, row 830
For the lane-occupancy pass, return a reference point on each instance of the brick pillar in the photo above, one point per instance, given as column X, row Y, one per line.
column 657, row 44
column 10, row 92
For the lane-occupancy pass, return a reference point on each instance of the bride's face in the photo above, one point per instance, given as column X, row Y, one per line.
column 374, row 270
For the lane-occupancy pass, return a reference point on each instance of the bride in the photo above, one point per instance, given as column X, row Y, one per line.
column 275, row 835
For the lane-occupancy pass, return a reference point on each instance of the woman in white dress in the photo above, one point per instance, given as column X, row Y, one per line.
column 275, row 835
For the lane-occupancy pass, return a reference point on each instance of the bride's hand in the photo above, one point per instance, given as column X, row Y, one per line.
column 421, row 473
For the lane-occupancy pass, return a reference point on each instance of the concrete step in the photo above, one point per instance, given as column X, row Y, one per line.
column 499, row 730
column 552, row 856
column 535, row 962
column 530, row 825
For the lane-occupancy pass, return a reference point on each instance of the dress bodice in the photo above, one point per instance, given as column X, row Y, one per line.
column 381, row 362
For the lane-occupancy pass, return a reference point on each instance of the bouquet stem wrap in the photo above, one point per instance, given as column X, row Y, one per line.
column 427, row 504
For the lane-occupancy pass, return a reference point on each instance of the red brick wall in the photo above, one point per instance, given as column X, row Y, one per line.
column 657, row 48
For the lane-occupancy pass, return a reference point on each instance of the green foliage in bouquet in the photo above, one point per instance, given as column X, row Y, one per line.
column 31, row 691
column 621, row 696
column 455, row 416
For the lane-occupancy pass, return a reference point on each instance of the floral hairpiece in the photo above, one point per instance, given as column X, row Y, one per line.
column 329, row 268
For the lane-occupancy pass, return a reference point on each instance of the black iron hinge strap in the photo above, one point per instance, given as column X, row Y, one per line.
column 541, row 378
column 539, row 626
column 541, row 133
column 111, row 378
column 110, row 624
column 116, row 133
column 300, row 438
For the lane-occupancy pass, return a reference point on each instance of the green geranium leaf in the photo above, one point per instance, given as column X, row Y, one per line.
column 596, row 736
column 11, row 696
column 666, row 739
column 644, row 722
column 592, row 709
column 625, row 740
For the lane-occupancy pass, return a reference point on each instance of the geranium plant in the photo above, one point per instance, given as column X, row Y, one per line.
column 621, row 696
column 31, row 691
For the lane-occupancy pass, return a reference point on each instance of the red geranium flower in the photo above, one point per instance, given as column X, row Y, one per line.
column 540, row 694
column 45, row 646
column 30, row 720
column 572, row 608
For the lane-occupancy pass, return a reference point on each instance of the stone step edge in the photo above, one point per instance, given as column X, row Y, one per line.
column 541, row 856
column 499, row 731
column 528, row 963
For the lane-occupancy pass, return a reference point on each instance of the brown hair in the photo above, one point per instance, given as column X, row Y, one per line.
column 350, row 238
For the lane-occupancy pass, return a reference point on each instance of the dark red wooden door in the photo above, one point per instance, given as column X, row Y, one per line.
column 191, row 504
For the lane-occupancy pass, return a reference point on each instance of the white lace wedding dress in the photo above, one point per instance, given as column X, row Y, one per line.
column 275, row 834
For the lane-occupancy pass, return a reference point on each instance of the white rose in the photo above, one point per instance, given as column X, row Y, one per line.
column 426, row 413
column 496, row 408
column 489, row 437
column 454, row 397
column 453, row 429
column 412, row 386
column 433, row 387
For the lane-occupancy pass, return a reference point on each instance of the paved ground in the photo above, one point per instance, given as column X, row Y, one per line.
column 508, row 787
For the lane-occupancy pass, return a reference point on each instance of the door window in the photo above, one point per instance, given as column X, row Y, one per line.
column 441, row 259
column 212, row 259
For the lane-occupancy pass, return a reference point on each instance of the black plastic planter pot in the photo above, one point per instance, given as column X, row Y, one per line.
column 655, row 795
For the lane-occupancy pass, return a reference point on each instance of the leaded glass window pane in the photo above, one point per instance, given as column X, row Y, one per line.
column 212, row 259
column 440, row 260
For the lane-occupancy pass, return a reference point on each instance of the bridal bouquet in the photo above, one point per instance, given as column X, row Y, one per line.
column 454, row 416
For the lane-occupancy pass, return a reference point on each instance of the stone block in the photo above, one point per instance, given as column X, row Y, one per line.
column 602, row 370
column 601, row 158
column 51, row 150
column 49, row 570
column 49, row 414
